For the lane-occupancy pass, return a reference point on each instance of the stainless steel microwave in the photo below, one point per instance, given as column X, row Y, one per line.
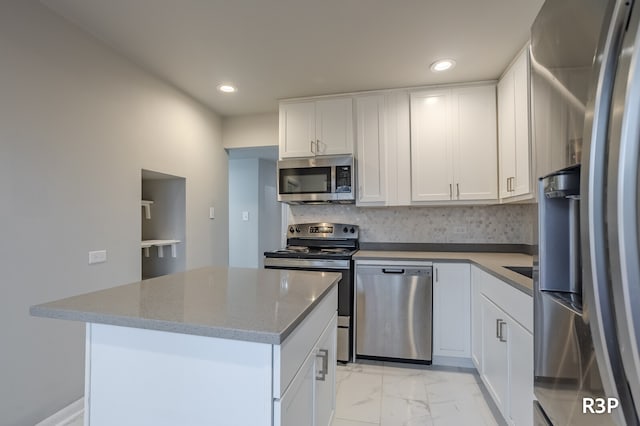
column 317, row 180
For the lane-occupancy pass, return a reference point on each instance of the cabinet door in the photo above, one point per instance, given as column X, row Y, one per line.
column 520, row 343
column 506, row 132
column 297, row 129
column 522, row 181
column 325, row 375
column 334, row 126
column 475, row 145
column 370, row 149
column 398, row 148
column 296, row 406
column 431, row 156
column 476, row 318
column 494, row 353
column 451, row 310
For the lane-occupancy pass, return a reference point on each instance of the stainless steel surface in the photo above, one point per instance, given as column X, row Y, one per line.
column 288, row 263
column 324, row 230
column 539, row 418
column 394, row 312
column 559, row 227
column 321, row 247
column 622, row 213
column 296, row 169
column 561, row 185
column 561, row 58
column 597, row 298
column 342, row 353
column 590, row 350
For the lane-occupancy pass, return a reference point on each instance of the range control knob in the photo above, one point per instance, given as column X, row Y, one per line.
column 291, row 230
column 297, row 229
column 352, row 230
column 345, row 229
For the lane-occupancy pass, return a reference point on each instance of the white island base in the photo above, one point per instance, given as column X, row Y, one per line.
column 138, row 376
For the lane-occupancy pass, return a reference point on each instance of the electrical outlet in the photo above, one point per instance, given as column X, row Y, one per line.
column 99, row 256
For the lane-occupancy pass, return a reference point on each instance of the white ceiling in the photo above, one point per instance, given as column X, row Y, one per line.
column 274, row 49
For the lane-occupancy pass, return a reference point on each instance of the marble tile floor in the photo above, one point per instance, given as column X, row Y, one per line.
column 373, row 393
column 394, row 394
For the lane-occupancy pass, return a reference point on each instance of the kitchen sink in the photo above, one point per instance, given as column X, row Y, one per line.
column 527, row 271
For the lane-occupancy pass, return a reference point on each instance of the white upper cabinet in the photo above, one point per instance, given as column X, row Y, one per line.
column 383, row 149
column 454, row 144
column 514, row 130
column 316, row 127
column 370, row 150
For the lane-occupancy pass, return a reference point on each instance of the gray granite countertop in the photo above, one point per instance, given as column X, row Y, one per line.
column 258, row 305
column 492, row 263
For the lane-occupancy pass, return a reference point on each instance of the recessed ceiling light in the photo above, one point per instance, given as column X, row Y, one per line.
column 227, row 88
column 443, row 65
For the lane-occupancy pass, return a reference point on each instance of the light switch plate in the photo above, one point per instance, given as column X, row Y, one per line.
column 245, row 216
column 99, row 256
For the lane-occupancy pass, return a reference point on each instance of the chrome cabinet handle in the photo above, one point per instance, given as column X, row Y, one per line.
column 436, row 274
column 324, row 354
column 318, row 146
column 508, row 184
column 498, row 321
column 450, row 191
column 458, row 190
column 312, row 143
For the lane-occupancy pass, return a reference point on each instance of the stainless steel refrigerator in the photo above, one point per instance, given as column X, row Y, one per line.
column 585, row 90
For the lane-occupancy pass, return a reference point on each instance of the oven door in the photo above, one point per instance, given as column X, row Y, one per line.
column 345, row 293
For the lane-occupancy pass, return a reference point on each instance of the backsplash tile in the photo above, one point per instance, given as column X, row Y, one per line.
column 500, row 224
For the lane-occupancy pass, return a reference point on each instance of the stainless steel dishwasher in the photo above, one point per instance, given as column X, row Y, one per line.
column 394, row 310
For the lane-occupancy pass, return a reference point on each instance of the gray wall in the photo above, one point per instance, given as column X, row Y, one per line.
column 77, row 124
column 243, row 197
column 252, row 188
column 167, row 222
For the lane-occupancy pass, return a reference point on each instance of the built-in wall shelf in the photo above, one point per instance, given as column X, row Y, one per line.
column 146, row 205
column 160, row 244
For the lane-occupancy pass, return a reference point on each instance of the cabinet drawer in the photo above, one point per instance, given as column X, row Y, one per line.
column 514, row 302
column 296, row 406
column 289, row 357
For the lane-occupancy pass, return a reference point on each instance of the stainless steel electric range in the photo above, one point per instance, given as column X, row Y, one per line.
column 324, row 247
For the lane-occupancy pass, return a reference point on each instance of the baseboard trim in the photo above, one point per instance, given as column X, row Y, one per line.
column 450, row 361
column 65, row 416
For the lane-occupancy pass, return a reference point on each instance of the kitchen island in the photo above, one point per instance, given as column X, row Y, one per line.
column 209, row 346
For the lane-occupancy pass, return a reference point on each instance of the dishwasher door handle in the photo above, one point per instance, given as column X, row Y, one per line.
column 392, row 271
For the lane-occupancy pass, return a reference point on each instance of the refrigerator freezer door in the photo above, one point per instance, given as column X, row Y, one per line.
column 623, row 214
column 598, row 303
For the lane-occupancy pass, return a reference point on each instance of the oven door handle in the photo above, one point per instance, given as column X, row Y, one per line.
column 290, row 263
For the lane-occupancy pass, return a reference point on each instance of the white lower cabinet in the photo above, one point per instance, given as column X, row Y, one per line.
column 296, row 405
column 504, row 350
column 310, row 398
column 140, row 376
column 451, row 311
column 520, row 374
column 495, row 356
column 325, row 376
column 476, row 321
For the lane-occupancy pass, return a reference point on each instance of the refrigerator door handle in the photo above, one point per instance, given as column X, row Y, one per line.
column 598, row 303
column 626, row 287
